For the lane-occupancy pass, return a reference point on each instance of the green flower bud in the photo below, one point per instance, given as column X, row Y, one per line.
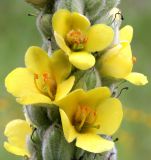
column 45, row 25
column 37, row 115
column 55, row 147
column 37, row 3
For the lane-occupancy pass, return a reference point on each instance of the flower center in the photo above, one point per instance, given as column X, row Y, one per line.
column 76, row 39
column 45, row 84
column 84, row 118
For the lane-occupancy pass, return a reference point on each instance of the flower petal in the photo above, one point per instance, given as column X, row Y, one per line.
column 94, row 96
column 15, row 150
column 61, row 43
column 69, row 130
column 64, row 88
column 20, row 83
column 126, row 33
column 117, row 62
column 93, row 143
column 70, row 103
column 100, row 36
column 82, row 60
column 37, row 60
column 79, row 21
column 17, row 132
column 60, row 65
column 61, row 21
column 109, row 116
column 137, row 78
column 33, row 98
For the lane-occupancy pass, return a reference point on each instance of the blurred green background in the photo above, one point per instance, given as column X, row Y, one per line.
column 18, row 32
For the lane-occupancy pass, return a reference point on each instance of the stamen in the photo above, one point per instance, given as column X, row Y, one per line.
column 45, row 85
column 85, row 118
column 82, row 123
column 49, row 85
column 36, row 77
column 91, row 126
column 76, row 39
column 45, row 77
column 78, row 114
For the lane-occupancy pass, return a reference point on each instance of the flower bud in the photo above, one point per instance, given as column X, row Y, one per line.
column 37, row 115
column 37, row 3
column 54, row 145
column 116, row 62
column 45, row 25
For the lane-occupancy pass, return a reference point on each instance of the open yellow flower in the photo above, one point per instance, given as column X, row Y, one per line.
column 43, row 80
column 118, row 61
column 87, row 115
column 17, row 132
column 77, row 39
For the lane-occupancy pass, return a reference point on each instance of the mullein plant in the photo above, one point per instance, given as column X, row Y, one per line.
column 68, row 86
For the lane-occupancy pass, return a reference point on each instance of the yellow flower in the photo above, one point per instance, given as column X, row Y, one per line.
column 77, row 39
column 17, row 132
column 118, row 61
column 87, row 115
column 43, row 80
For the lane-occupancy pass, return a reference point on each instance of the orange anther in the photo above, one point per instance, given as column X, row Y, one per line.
column 45, row 76
column 76, row 38
column 35, row 76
